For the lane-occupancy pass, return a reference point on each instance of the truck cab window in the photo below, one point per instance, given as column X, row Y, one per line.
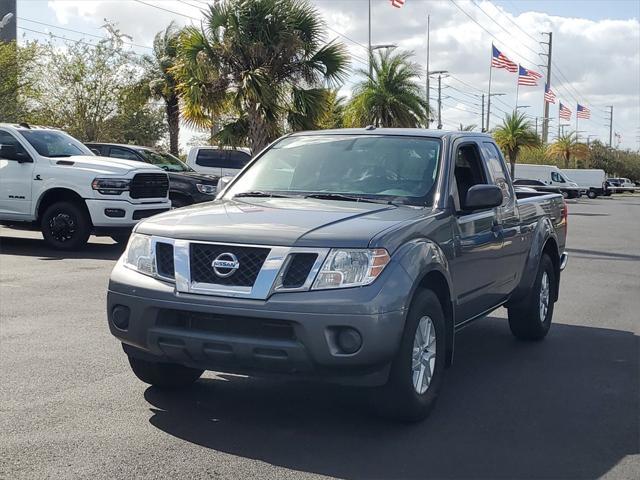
column 468, row 171
column 556, row 177
column 7, row 139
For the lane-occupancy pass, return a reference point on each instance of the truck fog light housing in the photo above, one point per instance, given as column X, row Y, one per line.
column 114, row 212
column 351, row 268
column 349, row 340
column 120, row 316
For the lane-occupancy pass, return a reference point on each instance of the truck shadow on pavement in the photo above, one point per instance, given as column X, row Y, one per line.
column 33, row 247
column 565, row 407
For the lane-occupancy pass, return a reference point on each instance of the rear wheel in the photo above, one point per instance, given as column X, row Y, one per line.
column 417, row 371
column 531, row 319
column 164, row 375
column 66, row 226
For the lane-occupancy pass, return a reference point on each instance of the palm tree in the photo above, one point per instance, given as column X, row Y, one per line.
column 515, row 134
column 567, row 147
column 390, row 96
column 262, row 65
column 334, row 116
column 159, row 81
column 468, row 128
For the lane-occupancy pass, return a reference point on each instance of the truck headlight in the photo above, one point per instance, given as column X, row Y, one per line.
column 111, row 186
column 351, row 268
column 139, row 255
column 206, row 189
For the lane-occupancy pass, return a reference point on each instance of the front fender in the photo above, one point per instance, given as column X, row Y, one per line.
column 542, row 233
column 420, row 258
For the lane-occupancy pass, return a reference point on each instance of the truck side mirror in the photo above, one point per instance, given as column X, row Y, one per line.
column 10, row 152
column 223, row 182
column 483, row 197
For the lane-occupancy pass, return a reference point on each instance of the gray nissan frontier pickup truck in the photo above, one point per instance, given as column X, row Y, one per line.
column 348, row 256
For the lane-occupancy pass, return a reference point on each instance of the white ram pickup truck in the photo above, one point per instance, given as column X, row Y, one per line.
column 51, row 181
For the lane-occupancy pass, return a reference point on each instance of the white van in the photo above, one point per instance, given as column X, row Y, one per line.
column 218, row 161
column 51, row 181
column 594, row 181
column 549, row 175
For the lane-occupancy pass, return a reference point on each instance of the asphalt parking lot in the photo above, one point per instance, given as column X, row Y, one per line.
column 567, row 407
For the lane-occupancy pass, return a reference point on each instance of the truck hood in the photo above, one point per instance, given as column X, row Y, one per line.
column 280, row 221
column 103, row 165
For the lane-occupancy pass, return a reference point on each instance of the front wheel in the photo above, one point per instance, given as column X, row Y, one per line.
column 66, row 226
column 531, row 318
column 418, row 369
column 164, row 375
column 591, row 194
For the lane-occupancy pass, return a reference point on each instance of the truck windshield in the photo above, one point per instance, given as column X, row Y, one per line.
column 391, row 168
column 54, row 144
column 165, row 161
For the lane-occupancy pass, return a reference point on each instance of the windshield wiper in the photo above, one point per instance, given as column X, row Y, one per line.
column 339, row 196
column 259, row 193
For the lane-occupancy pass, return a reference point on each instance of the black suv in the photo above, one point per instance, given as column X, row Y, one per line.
column 186, row 186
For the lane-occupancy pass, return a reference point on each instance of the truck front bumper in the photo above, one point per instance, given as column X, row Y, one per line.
column 122, row 213
column 295, row 334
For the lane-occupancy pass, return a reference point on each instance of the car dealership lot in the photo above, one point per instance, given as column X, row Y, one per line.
column 565, row 407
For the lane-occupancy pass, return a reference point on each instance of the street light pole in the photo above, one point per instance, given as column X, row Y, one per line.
column 370, row 52
column 428, row 86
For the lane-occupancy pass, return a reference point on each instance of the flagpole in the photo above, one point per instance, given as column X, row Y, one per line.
column 489, row 96
column 517, row 88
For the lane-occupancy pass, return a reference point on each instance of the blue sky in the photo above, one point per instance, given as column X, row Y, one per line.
column 596, row 45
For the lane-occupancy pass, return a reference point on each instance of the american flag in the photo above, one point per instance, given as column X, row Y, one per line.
column 549, row 95
column 499, row 60
column 583, row 112
column 527, row 77
column 397, row 3
column 565, row 113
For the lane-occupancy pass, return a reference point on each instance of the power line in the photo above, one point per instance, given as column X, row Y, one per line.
column 167, row 10
column 79, row 32
column 67, row 39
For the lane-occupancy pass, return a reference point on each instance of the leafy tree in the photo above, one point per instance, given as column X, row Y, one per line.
column 334, row 116
column 513, row 135
column 390, row 96
column 160, row 82
column 263, row 64
column 136, row 121
column 567, row 147
column 17, row 82
column 94, row 92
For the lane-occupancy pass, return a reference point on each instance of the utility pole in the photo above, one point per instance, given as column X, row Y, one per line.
column 369, row 52
column 610, row 124
column 482, row 116
column 439, row 101
column 428, row 91
column 545, row 120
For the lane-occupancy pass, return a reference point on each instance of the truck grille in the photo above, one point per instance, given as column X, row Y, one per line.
column 164, row 260
column 149, row 185
column 250, row 259
column 298, row 269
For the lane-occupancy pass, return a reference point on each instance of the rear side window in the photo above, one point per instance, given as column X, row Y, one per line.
column 124, row 153
column 497, row 170
column 212, row 157
column 237, row 159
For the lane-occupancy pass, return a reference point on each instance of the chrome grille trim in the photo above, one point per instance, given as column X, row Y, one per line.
column 268, row 281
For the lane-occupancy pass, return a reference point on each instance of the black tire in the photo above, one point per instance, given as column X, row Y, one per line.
column 121, row 239
column 66, row 226
column 164, row 375
column 591, row 194
column 525, row 318
column 399, row 399
column 565, row 194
